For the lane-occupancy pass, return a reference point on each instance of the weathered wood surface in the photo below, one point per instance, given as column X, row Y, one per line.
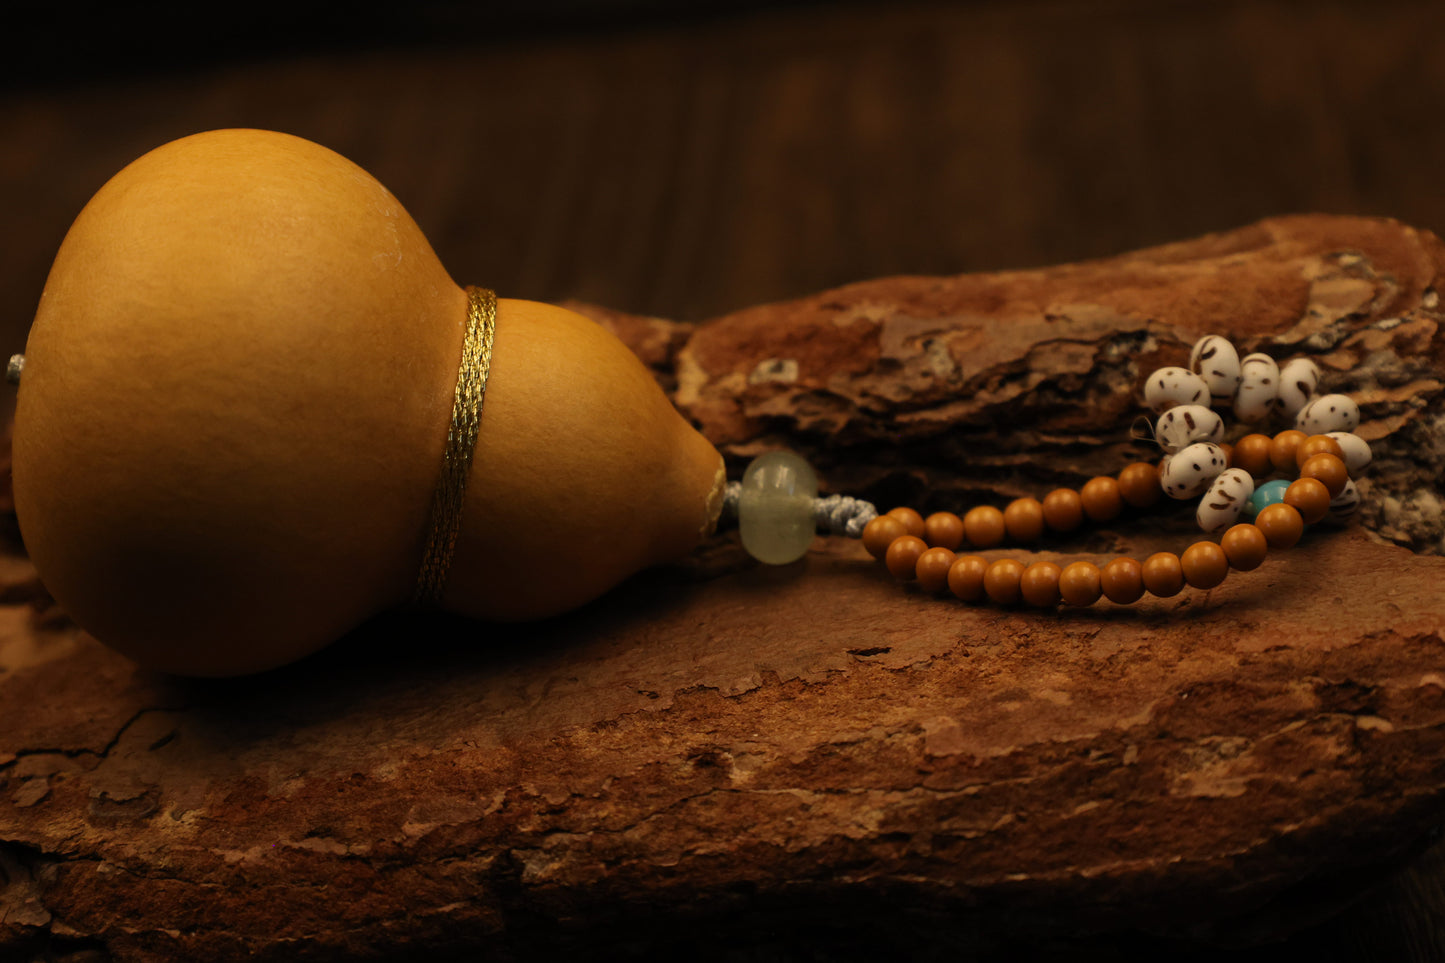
column 716, row 748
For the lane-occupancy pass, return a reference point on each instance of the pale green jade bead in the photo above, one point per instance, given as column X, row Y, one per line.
column 775, row 507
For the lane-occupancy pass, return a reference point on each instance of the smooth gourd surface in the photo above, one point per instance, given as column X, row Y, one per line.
column 218, row 435
column 235, row 400
column 584, row 472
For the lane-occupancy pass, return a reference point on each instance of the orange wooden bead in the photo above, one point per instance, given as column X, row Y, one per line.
column 1314, row 445
column 943, row 530
column 1329, row 469
column 1079, row 583
column 1122, row 580
column 880, row 533
column 965, row 577
column 1205, row 565
column 1281, row 524
column 1282, row 449
column 1244, row 546
column 1310, row 498
column 1101, row 498
column 902, row 556
column 1024, row 519
column 1252, row 454
column 1139, row 484
column 1001, row 580
column 1163, row 574
column 1039, row 585
column 1063, row 510
column 911, row 520
column 984, row 526
column 931, row 569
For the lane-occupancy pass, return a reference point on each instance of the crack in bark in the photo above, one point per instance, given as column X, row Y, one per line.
column 73, row 752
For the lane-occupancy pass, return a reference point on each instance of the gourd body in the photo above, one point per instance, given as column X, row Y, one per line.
column 236, row 396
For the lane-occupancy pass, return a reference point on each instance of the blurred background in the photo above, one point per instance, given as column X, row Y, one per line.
column 685, row 160
column 688, row 159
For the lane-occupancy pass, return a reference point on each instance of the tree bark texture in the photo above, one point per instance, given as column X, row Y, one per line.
column 728, row 754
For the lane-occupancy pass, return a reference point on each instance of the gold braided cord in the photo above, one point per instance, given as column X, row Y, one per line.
column 450, row 493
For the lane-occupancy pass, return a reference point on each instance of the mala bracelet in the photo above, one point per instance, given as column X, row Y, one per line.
column 925, row 549
column 778, row 510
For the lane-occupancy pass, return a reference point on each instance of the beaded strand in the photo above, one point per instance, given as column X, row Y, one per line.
column 926, row 549
column 778, row 509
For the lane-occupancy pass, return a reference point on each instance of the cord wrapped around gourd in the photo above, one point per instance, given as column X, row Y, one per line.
column 236, row 404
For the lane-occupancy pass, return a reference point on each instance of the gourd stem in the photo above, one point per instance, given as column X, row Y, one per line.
column 14, row 368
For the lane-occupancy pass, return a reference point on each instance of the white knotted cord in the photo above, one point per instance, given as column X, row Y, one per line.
column 834, row 514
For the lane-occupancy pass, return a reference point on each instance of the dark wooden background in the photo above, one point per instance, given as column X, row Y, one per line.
column 685, row 165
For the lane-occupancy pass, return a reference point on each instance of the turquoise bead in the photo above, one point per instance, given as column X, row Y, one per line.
column 1270, row 493
column 775, row 507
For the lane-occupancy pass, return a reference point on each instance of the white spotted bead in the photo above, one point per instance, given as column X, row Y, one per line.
column 1216, row 361
column 1225, row 500
column 1298, row 379
column 1356, row 449
column 1258, row 387
column 1328, row 413
column 1345, row 504
column 1183, row 425
column 1172, row 386
column 1189, row 472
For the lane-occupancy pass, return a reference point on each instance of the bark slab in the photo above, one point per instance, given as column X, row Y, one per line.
column 813, row 753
